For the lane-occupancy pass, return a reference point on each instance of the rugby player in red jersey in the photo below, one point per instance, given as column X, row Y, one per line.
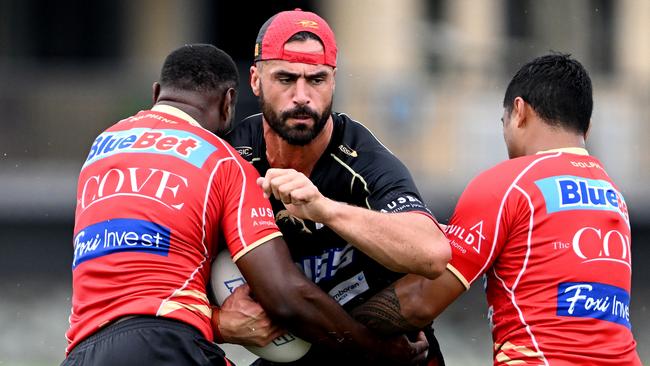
column 548, row 229
column 158, row 195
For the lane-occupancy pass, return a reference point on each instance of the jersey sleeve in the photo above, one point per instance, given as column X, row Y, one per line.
column 476, row 230
column 391, row 187
column 248, row 219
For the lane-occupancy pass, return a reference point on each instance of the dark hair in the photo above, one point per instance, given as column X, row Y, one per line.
column 557, row 87
column 299, row 37
column 199, row 67
column 303, row 36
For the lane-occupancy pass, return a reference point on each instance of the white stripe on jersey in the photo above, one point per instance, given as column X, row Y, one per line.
column 500, row 212
column 512, row 186
column 354, row 175
column 521, row 273
column 205, row 248
column 241, row 193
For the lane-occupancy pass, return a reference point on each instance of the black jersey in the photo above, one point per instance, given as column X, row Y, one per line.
column 356, row 169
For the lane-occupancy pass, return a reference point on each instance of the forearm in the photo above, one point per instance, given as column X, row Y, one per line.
column 383, row 314
column 299, row 305
column 315, row 316
column 410, row 303
column 407, row 242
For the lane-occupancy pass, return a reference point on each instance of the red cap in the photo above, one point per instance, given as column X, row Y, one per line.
column 282, row 26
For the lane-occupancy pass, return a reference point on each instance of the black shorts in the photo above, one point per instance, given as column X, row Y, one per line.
column 142, row 341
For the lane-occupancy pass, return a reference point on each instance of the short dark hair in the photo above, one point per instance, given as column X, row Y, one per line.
column 199, row 67
column 303, row 36
column 298, row 37
column 558, row 88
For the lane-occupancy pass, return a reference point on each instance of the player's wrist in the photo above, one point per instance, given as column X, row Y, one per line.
column 215, row 320
column 331, row 213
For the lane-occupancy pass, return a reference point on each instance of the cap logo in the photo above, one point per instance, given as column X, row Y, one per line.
column 308, row 24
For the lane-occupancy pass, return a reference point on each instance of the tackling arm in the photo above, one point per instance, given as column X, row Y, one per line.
column 295, row 302
column 403, row 242
column 410, row 303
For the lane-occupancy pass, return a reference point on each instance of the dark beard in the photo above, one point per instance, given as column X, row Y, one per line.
column 300, row 135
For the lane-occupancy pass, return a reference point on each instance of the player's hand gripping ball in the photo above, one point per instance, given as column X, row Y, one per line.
column 225, row 277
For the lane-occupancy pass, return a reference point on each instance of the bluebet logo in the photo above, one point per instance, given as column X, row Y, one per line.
column 566, row 192
column 120, row 235
column 177, row 143
column 594, row 300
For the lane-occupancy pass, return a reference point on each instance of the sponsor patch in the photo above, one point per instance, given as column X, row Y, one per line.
column 181, row 144
column 348, row 151
column 120, row 235
column 245, row 151
column 349, row 289
column 472, row 237
column 155, row 184
column 404, row 203
column 594, row 300
column 566, row 192
column 324, row 267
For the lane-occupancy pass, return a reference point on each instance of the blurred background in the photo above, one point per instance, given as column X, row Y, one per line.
column 427, row 76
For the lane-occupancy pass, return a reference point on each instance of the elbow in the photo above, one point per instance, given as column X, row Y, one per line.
column 288, row 302
column 417, row 300
column 422, row 314
column 439, row 256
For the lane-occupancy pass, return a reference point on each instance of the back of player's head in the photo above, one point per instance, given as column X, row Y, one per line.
column 199, row 67
column 558, row 88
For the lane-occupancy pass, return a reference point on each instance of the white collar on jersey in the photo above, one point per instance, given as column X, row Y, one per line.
column 176, row 113
column 570, row 150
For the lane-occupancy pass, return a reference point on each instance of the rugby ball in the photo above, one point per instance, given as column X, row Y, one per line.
column 225, row 278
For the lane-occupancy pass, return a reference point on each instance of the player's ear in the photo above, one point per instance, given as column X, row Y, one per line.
column 228, row 104
column 519, row 113
column 156, row 91
column 255, row 79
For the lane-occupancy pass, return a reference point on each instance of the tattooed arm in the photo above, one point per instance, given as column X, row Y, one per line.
column 382, row 313
column 410, row 303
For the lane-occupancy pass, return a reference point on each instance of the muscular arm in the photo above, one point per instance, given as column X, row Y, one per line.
column 298, row 304
column 403, row 242
column 410, row 303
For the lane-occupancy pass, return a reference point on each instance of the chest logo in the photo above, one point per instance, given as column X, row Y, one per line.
column 284, row 219
column 348, row 151
column 245, row 151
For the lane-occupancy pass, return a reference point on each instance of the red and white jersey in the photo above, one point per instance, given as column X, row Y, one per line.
column 156, row 196
column 551, row 233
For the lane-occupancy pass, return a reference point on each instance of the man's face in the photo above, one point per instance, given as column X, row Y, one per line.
column 295, row 98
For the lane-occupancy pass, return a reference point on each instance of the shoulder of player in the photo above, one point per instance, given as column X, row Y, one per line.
column 355, row 142
column 245, row 129
column 504, row 174
column 245, row 137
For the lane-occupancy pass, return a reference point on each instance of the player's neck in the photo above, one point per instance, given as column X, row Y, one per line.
column 281, row 154
column 553, row 138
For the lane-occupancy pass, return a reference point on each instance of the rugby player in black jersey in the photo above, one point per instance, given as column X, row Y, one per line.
column 360, row 193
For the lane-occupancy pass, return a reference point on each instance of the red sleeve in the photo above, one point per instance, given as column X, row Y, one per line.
column 476, row 230
column 248, row 219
